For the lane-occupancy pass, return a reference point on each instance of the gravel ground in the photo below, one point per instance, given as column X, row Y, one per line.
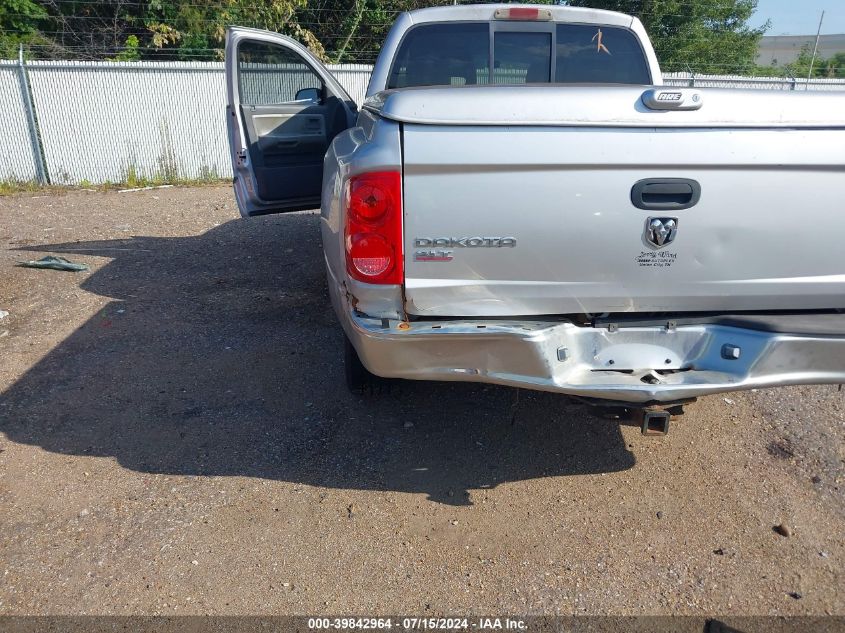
column 175, row 438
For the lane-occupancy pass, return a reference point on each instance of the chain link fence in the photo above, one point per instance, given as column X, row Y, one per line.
column 694, row 80
column 20, row 154
column 73, row 122
column 77, row 123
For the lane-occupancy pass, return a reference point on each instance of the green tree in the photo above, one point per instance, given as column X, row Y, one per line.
column 130, row 52
column 198, row 30
column 706, row 36
column 20, row 22
column 351, row 31
column 833, row 68
column 89, row 29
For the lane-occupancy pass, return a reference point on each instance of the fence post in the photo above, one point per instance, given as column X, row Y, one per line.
column 31, row 122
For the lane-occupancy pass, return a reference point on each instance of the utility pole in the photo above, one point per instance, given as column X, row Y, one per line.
column 815, row 50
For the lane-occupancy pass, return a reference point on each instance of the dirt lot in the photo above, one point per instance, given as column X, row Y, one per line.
column 175, row 437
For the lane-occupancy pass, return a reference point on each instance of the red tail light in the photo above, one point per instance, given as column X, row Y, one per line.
column 374, row 227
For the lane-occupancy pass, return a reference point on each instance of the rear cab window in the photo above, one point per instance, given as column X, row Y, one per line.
column 599, row 54
column 452, row 54
column 457, row 54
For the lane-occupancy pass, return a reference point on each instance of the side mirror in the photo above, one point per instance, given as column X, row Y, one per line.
column 308, row 94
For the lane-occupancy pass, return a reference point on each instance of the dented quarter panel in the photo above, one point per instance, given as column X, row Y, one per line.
column 372, row 145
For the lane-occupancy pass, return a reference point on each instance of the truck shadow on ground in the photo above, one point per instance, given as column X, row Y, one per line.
column 220, row 355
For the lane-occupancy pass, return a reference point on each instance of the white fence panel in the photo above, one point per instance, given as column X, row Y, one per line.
column 354, row 79
column 753, row 83
column 17, row 162
column 106, row 121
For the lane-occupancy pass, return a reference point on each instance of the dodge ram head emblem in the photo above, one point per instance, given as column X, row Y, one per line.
column 661, row 231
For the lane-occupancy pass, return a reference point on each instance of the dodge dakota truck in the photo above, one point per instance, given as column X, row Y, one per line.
column 520, row 201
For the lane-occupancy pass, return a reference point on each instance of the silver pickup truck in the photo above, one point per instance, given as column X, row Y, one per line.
column 519, row 201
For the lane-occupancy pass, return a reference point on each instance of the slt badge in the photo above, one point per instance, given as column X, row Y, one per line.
column 661, row 231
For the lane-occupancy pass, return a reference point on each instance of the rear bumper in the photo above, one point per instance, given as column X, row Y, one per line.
column 642, row 364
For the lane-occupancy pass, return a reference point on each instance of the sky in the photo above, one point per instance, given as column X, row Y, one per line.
column 800, row 17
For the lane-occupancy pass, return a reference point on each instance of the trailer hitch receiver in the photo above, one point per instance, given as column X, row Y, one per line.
column 655, row 422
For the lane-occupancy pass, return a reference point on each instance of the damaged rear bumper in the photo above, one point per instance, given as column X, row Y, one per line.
column 641, row 364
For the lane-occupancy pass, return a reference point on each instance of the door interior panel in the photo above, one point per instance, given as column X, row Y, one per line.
column 287, row 143
column 279, row 131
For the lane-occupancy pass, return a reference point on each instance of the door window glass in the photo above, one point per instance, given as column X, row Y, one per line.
column 269, row 74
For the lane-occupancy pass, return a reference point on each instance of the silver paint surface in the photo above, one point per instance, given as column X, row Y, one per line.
column 552, row 167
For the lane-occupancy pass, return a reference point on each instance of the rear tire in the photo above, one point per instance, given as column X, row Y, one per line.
column 359, row 380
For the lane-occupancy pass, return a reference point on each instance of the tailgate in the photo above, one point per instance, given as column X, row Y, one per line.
column 524, row 220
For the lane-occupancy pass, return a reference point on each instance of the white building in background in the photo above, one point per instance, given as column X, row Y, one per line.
column 779, row 50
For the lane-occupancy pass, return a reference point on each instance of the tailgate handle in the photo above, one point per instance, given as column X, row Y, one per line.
column 665, row 194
